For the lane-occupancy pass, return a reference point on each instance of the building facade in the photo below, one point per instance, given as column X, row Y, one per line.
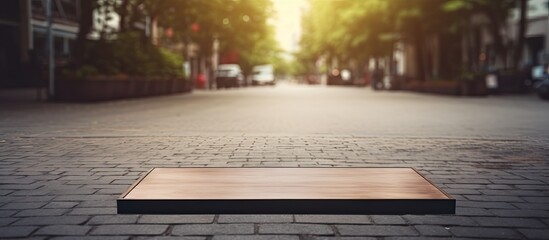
column 23, row 28
column 475, row 48
column 480, row 43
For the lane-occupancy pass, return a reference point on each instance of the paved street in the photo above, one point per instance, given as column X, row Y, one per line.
column 62, row 166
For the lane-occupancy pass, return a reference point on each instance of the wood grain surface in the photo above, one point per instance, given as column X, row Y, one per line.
column 284, row 183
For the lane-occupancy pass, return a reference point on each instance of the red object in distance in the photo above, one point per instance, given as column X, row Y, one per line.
column 201, row 80
column 169, row 32
column 195, row 27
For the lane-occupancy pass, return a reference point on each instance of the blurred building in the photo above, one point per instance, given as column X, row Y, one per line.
column 480, row 46
column 23, row 28
column 536, row 49
column 476, row 48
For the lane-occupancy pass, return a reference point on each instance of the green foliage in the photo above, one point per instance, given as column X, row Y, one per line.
column 363, row 29
column 129, row 55
column 346, row 29
column 82, row 72
column 239, row 25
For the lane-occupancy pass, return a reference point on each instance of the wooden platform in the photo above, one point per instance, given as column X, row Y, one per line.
column 284, row 191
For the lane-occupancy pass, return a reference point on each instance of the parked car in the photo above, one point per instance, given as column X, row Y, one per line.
column 334, row 77
column 263, row 75
column 542, row 88
column 229, row 75
column 340, row 77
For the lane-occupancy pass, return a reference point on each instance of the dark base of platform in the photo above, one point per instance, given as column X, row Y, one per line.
column 345, row 207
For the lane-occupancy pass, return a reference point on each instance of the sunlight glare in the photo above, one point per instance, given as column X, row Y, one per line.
column 288, row 23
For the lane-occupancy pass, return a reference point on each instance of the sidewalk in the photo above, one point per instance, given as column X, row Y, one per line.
column 51, row 188
column 62, row 166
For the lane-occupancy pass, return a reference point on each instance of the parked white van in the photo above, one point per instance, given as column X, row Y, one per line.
column 263, row 75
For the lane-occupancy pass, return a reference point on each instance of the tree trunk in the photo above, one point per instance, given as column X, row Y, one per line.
column 419, row 54
column 123, row 14
column 85, row 27
column 495, row 31
column 521, row 34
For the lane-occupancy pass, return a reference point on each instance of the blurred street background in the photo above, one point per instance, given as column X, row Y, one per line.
column 115, row 49
column 287, row 109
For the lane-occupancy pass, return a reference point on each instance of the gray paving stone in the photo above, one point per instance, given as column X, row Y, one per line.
column 60, row 230
column 255, row 237
column 433, row 230
column 31, row 193
column 30, row 238
column 478, row 232
column 337, row 219
column 520, row 213
column 387, row 219
column 375, row 230
column 92, row 211
column 40, row 212
column 426, row 238
column 509, row 222
column 537, row 199
column 5, row 192
column 212, row 229
column 97, row 203
column 113, row 219
column 254, row 218
column 94, row 197
column 176, row 219
column 492, row 205
column 169, row 238
column 533, row 206
column 58, row 220
column 7, row 221
column 23, row 205
column 465, row 211
column 313, row 229
column 91, row 238
column 137, row 229
column 24, row 199
column 16, row 231
column 440, row 220
column 341, row 238
column 535, row 233
column 61, row 205
column 494, row 198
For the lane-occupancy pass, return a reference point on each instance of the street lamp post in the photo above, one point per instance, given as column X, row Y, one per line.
column 545, row 55
column 50, row 49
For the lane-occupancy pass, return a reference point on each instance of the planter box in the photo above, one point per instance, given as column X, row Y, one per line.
column 112, row 88
column 452, row 88
column 511, row 83
column 438, row 87
column 474, row 88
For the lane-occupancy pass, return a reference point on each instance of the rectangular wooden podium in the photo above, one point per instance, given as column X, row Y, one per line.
column 284, row 191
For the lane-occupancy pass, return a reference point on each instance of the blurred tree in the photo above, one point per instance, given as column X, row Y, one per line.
column 497, row 13
column 368, row 29
column 239, row 25
column 521, row 35
column 346, row 30
column 86, row 26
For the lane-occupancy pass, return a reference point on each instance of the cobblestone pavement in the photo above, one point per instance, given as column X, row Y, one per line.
column 62, row 166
